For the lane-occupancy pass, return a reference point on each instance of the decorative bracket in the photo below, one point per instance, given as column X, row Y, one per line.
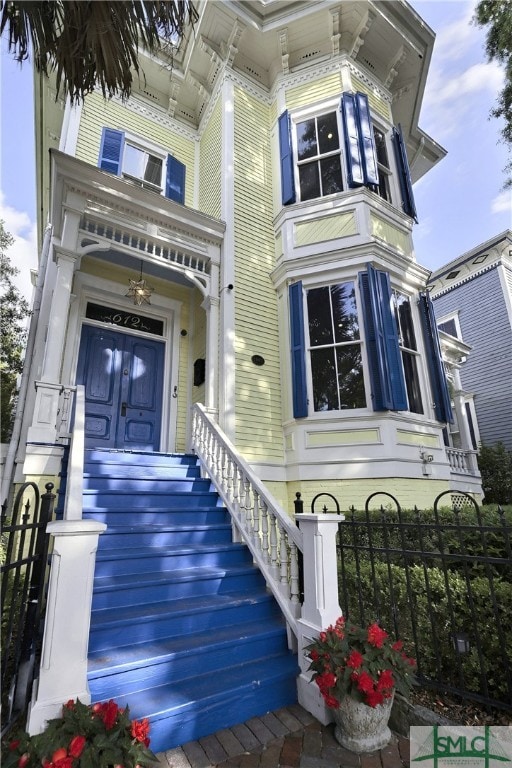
column 283, row 45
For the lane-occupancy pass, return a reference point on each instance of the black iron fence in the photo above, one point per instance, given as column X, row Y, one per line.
column 24, row 544
column 441, row 581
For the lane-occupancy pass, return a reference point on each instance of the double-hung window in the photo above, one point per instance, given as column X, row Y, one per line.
column 408, row 349
column 335, row 348
column 142, row 164
column 319, row 156
column 341, row 148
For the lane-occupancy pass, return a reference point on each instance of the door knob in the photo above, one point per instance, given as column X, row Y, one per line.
column 123, row 409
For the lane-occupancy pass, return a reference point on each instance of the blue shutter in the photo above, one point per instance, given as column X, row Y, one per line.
column 366, row 141
column 175, row 180
column 440, row 392
column 351, row 133
column 404, row 174
column 286, row 154
column 300, row 395
column 111, row 150
column 384, row 357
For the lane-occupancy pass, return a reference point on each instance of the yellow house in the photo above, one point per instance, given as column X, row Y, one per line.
column 227, row 269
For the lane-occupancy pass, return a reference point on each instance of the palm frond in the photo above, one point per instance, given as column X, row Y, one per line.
column 91, row 43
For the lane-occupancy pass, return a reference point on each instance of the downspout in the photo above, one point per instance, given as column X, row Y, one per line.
column 8, row 474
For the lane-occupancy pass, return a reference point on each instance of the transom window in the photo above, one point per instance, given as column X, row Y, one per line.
column 408, row 349
column 335, row 348
column 142, row 167
column 319, row 156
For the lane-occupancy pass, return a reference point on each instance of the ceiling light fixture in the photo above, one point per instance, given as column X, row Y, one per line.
column 139, row 290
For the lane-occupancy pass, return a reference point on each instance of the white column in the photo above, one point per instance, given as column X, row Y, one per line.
column 63, row 672
column 459, row 404
column 321, row 603
column 44, row 423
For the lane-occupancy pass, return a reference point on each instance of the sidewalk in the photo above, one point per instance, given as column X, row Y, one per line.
column 286, row 738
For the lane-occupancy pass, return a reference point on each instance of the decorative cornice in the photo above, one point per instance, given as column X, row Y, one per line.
column 361, row 32
column 442, row 291
column 160, row 116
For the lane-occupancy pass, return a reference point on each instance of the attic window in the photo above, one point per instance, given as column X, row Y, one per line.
column 452, row 275
column 480, row 259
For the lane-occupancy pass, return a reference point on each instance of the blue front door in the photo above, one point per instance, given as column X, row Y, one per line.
column 123, row 380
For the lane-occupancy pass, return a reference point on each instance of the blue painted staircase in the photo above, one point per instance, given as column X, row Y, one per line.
column 183, row 629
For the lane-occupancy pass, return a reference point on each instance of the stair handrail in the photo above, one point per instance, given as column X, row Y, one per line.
column 73, row 503
column 271, row 536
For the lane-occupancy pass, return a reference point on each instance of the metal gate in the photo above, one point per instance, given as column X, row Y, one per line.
column 24, row 550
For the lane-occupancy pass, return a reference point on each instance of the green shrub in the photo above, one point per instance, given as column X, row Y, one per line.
column 495, row 464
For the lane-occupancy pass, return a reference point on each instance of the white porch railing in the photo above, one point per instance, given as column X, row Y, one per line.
column 258, row 520
column 461, row 461
column 75, row 482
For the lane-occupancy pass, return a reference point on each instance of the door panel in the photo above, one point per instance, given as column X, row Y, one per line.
column 123, row 379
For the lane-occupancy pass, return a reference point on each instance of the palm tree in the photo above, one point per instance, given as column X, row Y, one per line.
column 92, row 43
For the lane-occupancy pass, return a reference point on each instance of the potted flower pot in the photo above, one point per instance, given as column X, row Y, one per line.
column 360, row 728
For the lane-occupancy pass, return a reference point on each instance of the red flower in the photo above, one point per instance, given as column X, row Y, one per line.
column 331, row 701
column 109, row 714
column 140, row 730
column 14, row 745
column 373, row 698
column 76, row 746
column 59, row 754
column 314, row 655
column 376, row 635
column 70, row 704
column 355, row 660
column 397, row 646
column 22, row 762
column 326, row 681
column 385, row 680
column 365, row 682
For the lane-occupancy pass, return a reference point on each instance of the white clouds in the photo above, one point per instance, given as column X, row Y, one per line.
column 23, row 252
column 503, row 203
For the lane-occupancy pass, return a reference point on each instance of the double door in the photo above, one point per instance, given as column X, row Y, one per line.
column 123, row 378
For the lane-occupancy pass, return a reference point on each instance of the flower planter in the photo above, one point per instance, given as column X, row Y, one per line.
column 360, row 728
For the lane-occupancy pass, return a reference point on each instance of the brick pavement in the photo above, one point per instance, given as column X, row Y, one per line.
column 286, row 738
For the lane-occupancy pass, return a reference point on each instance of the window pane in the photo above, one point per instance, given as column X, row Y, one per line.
column 328, row 140
column 330, row 168
column 153, row 172
column 133, row 161
column 309, row 181
column 412, row 383
column 383, row 185
column 380, row 148
column 344, row 311
column 319, row 315
column 323, row 372
column 449, row 327
column 408, row 338
column 350, row 377
column 306, row 139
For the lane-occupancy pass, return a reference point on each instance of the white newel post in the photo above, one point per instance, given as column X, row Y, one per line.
column 63, row 671
column 321, row 603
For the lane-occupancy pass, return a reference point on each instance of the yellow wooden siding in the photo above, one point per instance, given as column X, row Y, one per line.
column 309, row 93
column 325, row 228
column 408, row 491
column 406, row 437
column 342, row 437
column 258, row 388
column 377, row 102
column 98, row 113
column 198, row 343
column 385, row 231
column 210, row 169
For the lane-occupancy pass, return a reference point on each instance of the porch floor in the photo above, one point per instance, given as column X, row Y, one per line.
column 287, row 738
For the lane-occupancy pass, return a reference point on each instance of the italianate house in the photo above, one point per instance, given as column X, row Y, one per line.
column 227, row 272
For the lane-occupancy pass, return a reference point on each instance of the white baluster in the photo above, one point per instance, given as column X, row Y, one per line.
column 236, row 490
column 273, row 547
column 246, row 505
column 264, row 531
column 294, row 574
column 283, row 557
column 256, row 518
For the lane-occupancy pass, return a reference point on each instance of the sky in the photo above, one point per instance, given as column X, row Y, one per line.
column 460, row 202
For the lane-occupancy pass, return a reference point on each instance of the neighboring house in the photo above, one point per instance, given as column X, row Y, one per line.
column 238, row 234
column 472, row 297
